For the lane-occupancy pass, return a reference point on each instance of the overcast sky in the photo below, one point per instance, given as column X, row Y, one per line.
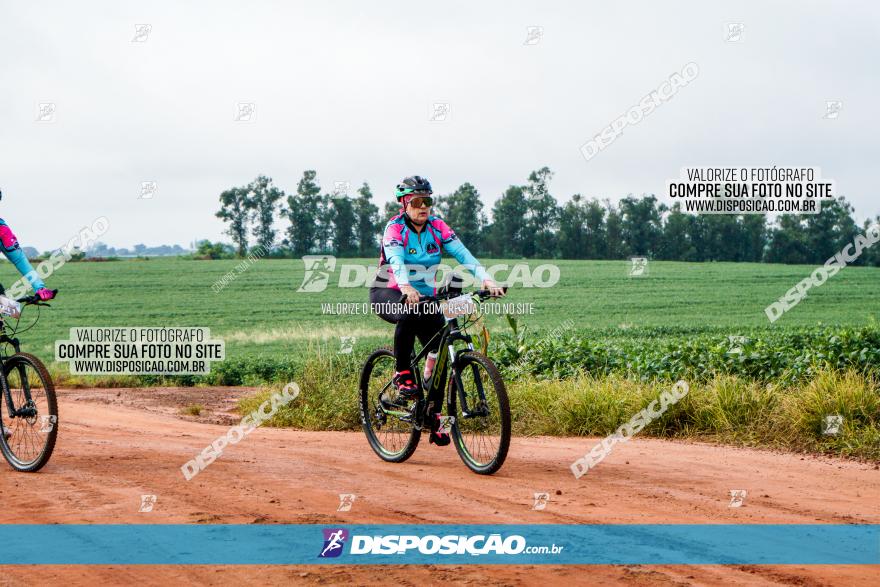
column 347, row 88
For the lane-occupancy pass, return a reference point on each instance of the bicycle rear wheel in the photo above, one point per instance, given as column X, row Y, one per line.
column 32, row 423
column 392, row 438
column 481, row 430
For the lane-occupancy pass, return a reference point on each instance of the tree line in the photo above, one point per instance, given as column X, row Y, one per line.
column 528, row 222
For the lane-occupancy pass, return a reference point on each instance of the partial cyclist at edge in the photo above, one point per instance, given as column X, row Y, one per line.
column 10, row 247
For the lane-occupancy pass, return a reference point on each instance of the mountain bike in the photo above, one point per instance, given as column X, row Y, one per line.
column 28, row 408
column 477, row 407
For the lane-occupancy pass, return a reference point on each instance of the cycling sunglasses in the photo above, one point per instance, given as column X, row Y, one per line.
column 421, row 201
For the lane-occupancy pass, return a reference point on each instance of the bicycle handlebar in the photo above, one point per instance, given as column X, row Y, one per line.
column 482, row 293
column 35, row 300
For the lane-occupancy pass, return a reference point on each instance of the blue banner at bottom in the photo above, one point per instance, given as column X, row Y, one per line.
column 610, row 544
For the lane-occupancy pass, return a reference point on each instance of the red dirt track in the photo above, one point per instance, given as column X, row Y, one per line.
column 116, row 445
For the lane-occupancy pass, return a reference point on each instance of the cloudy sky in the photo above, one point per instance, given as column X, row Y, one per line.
column 347, row 88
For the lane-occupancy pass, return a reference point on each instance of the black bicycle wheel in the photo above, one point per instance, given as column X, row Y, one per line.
column 391, row 433
column 31, row 427
column 481, row 430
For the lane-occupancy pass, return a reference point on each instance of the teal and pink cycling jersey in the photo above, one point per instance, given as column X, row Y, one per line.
column 413, row 257
column 10, row 247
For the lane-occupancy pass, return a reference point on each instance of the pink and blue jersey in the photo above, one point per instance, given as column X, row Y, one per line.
column 10, row 247
column 413, row 257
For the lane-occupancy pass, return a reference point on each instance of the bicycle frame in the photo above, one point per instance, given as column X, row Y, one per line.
column 446, row 357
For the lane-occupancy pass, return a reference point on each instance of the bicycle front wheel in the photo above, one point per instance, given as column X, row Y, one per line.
column 28, row 412
column 481, row 430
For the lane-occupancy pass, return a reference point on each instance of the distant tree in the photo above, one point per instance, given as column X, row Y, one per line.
column 788, row 241
column 543, row 214
column 99, row 249
column 32, row 253
column 263, row 198
column 641, row 224
column 302, row 213
column 463, row 211
column 717, row 237
column 324, row 223
column 830, row 230
column 526, row 221
column 389, row 211
column 367, row 222
column 77, row 254
column 872, row 254
column 582, row 231
column 205, row 249
column 506, row 237
column 234, row 208
column 615, row 247
column 343, row 221
column 676, row 243
column 573, row 236
column 594, row 226
column 754, row 237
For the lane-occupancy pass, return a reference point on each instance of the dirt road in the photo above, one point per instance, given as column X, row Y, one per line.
column 117, row 445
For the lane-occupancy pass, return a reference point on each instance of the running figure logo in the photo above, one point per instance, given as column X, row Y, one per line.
column 334, row 540
column 446, row 423
column 148, row 190
column 147, row 503
column 735, row 32
column 346, row 501
column 47, row 423
column 318, row 269
column 346, row 344
column 142, row 33
column 831, row 425
column 340, row 189
column 46, row 112
column 736, row 344
column 245, row 112
column 541, row 500
column 832, row 109
column 534, row 35
column 439, row 112
column 737, row 498
column 639, row 267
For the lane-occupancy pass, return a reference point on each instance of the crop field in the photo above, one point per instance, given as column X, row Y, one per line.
column 261, row 315
column 597, row 347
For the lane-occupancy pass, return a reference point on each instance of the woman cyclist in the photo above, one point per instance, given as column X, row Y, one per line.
column 10, row 247
column 412, row 247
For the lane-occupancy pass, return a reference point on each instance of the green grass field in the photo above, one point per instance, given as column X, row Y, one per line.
column 261, row 314
column 630, row 338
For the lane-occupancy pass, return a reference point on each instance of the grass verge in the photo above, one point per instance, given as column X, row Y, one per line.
column 727, row 409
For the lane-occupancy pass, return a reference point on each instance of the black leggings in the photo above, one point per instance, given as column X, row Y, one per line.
column 410, row 324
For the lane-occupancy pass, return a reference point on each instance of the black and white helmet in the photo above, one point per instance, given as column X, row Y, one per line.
column 413, row 185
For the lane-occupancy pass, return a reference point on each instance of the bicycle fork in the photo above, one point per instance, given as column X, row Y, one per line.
column 27, row 409
column 466, row 410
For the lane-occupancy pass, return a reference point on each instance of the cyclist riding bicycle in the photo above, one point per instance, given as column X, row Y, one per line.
column 10, row 247
column 412, row 246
